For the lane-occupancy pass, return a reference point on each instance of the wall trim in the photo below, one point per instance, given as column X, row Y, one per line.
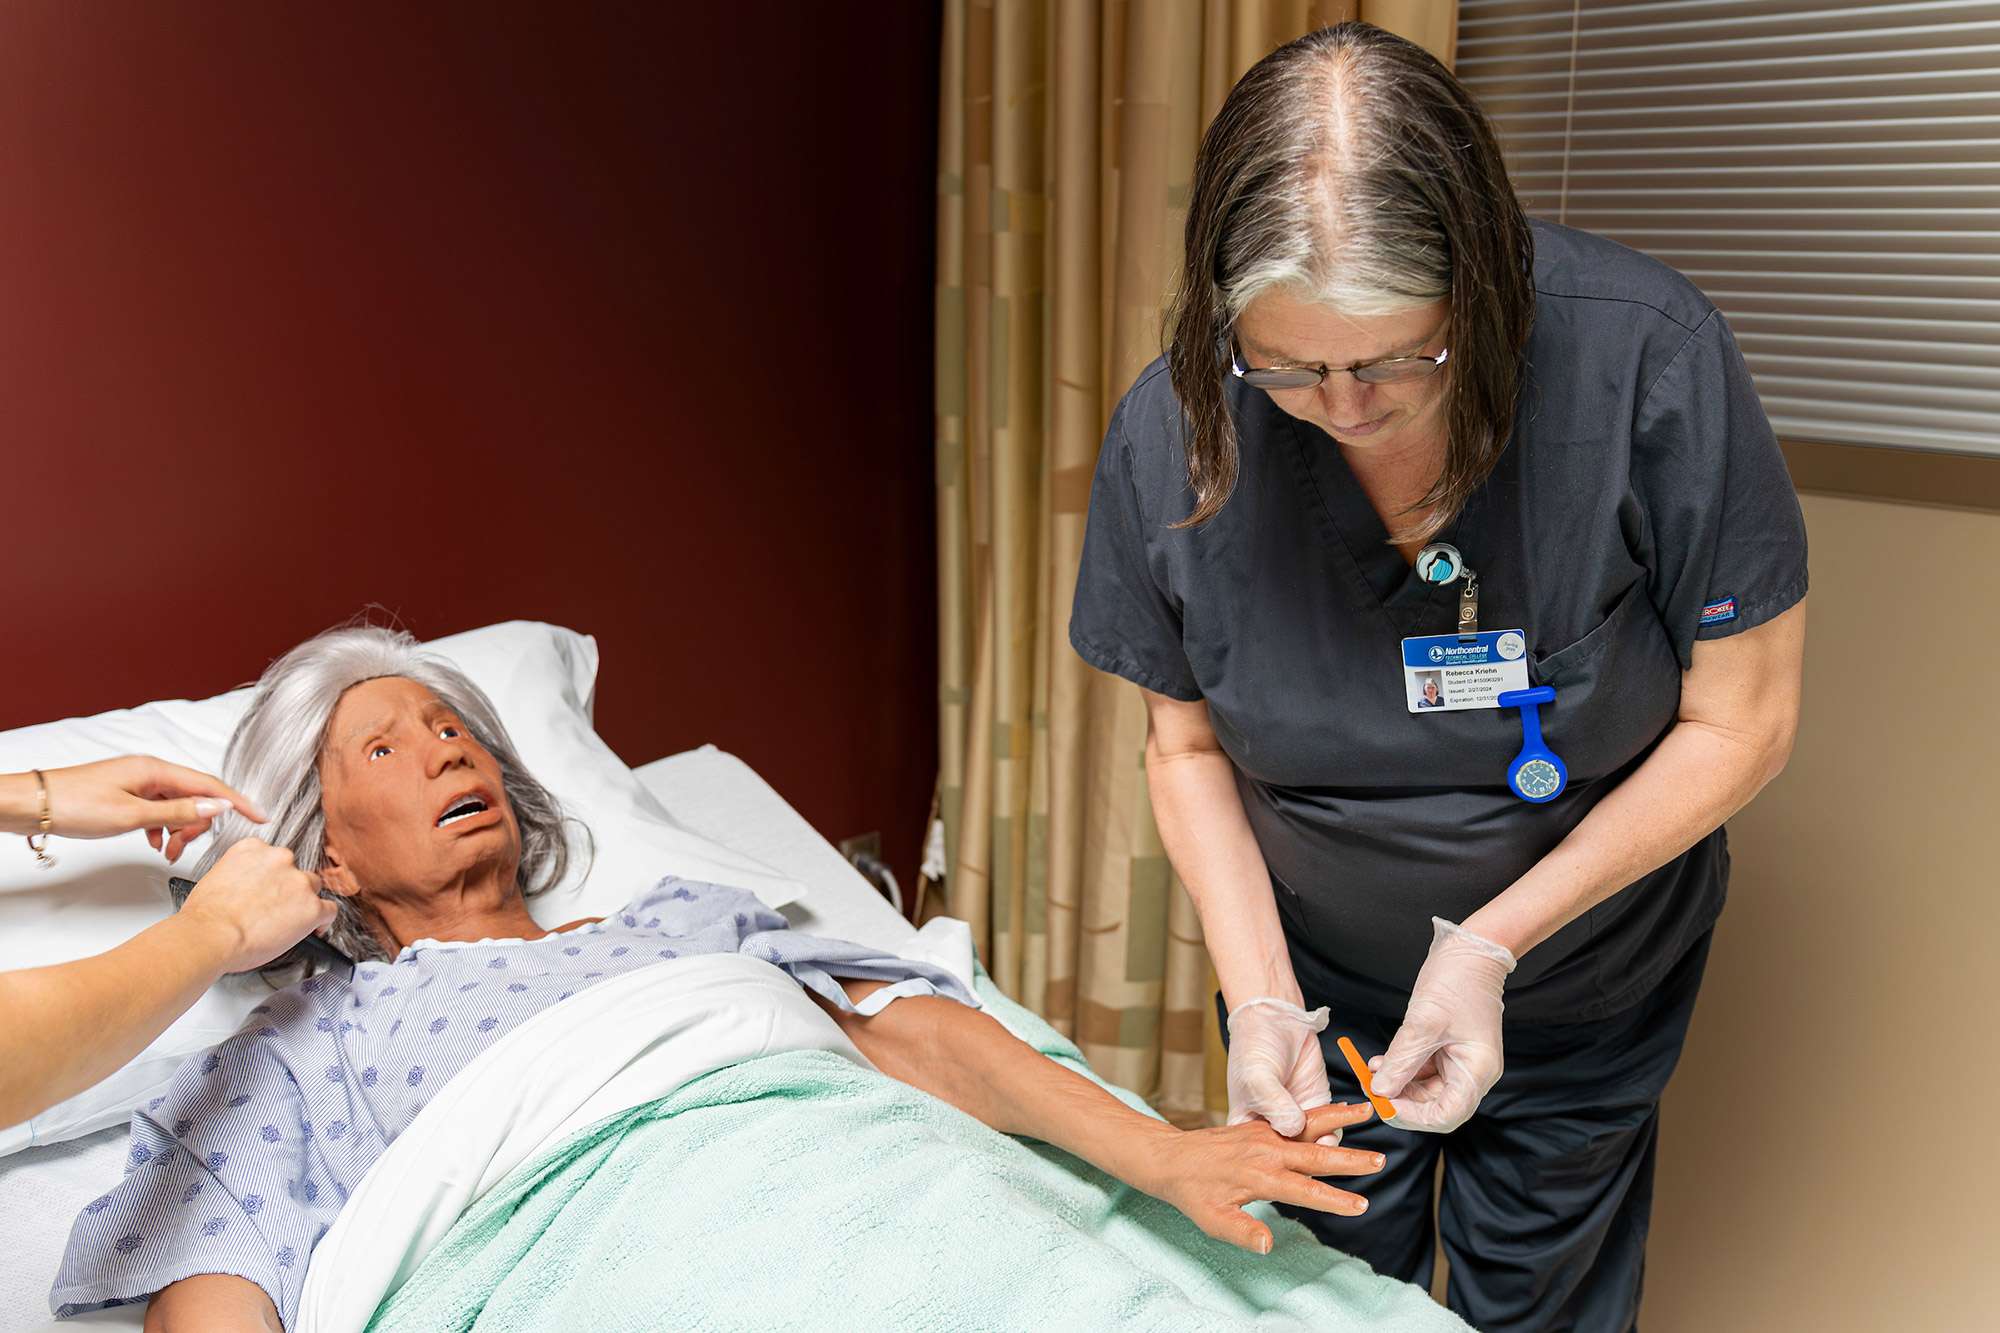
column 1913, row 476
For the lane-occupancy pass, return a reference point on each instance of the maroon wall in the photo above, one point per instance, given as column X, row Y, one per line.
column 616, row 316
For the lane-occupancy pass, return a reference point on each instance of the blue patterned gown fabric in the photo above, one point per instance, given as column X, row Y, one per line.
column 244, row 1163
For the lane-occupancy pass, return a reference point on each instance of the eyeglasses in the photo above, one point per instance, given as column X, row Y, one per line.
column 1389, row 370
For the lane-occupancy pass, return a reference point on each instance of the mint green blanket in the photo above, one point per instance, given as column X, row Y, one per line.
column 800, row 1191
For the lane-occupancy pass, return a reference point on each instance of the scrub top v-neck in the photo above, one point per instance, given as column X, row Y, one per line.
column 1641, row 503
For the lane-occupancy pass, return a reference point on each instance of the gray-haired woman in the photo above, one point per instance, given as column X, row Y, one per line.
column 1375, row 362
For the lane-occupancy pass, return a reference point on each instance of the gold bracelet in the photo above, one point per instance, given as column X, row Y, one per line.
column 38, row 842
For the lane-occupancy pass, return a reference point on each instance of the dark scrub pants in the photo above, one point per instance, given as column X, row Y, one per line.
column 1641, row 505
column 1547, row 1190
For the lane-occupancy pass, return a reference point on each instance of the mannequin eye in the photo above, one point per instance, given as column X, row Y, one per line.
column 377, row 752
column 448, row 732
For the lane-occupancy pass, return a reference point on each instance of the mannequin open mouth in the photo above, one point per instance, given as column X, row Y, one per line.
column 467, row 809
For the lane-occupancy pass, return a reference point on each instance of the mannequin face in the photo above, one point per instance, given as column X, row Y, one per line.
column 417, row 818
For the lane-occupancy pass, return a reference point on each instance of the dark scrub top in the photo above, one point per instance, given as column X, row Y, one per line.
column 1641, row 504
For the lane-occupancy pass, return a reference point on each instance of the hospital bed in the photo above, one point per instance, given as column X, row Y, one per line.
column 711, row 791
column 939, row 1180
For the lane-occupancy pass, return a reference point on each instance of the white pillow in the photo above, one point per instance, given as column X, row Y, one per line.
column 541, row 678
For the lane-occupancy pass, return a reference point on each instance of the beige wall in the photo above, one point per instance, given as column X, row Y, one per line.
column 1829, row 1160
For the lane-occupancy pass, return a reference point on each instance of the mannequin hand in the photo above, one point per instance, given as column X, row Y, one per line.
column 1276, row 1069
column 113, row 796
column 1447, row 1055
column 1209, row 1174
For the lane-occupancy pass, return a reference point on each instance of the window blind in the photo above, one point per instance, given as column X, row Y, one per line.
column 1828, row 174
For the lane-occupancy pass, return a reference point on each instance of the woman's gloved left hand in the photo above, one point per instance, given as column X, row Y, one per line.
column 1447, row 1054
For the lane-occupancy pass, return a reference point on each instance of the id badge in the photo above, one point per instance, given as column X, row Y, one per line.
column 1443, row 673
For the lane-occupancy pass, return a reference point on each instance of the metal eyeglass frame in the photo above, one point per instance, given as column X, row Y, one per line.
column 1311, row 377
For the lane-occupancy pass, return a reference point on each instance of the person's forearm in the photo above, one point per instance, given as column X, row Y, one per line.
column 65, row 1027
column 1208, row 839
column 966, row 1058
column 20, row 803
column 1693, row 781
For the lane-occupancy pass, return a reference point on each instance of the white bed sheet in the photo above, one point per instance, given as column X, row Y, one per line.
column 710, row 790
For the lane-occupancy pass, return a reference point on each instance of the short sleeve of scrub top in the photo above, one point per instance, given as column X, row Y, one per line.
column 1641, row 505
column 1723, row 537
column 1126, row 619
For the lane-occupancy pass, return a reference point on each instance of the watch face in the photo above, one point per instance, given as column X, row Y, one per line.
column 1537, row 778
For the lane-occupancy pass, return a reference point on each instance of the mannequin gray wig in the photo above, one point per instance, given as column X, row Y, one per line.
column 273, row 757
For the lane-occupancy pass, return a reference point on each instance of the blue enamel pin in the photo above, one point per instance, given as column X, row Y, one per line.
column 1536, row 774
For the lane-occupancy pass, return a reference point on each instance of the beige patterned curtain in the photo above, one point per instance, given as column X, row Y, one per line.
column 1067, row 138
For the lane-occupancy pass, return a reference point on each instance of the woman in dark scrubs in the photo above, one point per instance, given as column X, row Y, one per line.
column 1374, row 356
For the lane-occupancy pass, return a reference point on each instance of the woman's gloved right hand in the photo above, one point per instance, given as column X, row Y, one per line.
column 1277, row 1071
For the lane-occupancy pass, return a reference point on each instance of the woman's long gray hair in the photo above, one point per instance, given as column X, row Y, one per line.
column 1351, row 169
column 273, row 758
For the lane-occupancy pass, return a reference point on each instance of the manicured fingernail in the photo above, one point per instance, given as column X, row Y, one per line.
column 1263, row 1245
column 1379, row 1160
column 209, row 807
column 1361, row 1205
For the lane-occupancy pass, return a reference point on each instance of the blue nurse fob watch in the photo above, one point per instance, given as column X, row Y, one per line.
column 1536, row 775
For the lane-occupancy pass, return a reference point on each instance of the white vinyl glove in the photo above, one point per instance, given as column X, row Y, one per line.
column 1276, row 1069
column 1446, row 1055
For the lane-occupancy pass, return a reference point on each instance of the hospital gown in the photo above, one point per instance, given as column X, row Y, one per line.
column 242, row 1166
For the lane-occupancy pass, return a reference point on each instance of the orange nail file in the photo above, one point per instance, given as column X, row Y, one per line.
column 1360, row 1068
